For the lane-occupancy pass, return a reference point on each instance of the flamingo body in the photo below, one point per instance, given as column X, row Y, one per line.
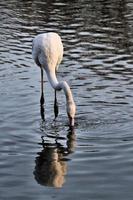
column 47, row 51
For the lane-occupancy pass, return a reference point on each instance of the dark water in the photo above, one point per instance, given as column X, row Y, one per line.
column 44, row 160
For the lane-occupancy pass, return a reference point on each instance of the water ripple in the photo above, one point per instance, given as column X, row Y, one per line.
column 96, row 158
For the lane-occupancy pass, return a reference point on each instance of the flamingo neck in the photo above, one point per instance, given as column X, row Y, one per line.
column 60, row 85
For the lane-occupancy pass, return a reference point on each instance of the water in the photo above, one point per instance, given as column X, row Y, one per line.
column 44, row 160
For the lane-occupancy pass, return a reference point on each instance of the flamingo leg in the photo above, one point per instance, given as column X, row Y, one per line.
column 42, row 94
column 56, row 109
column 42, row 98
column 42, row 112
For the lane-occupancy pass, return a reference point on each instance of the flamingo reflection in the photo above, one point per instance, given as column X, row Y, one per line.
column 51, row 162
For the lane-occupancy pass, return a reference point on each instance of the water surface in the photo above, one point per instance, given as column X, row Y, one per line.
column 44, row 159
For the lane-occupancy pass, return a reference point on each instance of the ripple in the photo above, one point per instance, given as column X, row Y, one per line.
column 96, row 158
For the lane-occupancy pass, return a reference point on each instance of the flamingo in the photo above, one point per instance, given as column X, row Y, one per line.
column 47, row 52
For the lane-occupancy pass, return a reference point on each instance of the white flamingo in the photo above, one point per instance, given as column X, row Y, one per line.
column 47, row 52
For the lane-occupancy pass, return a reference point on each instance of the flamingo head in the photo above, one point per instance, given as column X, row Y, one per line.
column 71, row 110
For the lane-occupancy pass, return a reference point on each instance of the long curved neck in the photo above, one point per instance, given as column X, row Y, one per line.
column 60, row 85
